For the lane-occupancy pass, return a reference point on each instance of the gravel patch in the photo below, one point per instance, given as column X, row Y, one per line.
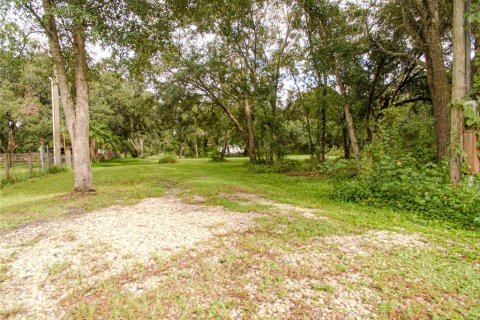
column 364, row 244
column 282, row 208
column 47, row 261
column 164, row 243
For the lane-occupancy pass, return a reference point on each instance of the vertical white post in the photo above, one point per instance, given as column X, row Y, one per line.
column 57, row 153
column 42, row 156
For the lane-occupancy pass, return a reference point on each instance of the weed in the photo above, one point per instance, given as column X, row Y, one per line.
column 58, row 267
column 322, row 287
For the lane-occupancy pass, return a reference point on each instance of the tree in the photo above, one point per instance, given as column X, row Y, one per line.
column 75, row 106
column 24, row 118
column 459, row 91
column 426, row 23
column 125, row 108
column 317, row 14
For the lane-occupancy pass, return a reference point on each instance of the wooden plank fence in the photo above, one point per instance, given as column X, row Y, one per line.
column 23, row 157
column 37, row 157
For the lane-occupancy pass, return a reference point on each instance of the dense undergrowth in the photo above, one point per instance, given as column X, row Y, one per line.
column 422, row 189
column 402, row 184
column 398, row 171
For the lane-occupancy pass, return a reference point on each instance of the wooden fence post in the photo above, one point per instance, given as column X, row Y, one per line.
column 42, row 156
column 470, row 146
column 30, row 166
column 6, row 163
column 48, row 158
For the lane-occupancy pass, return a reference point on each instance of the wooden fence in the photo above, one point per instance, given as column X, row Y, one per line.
column 43, row 158
column 23, row 157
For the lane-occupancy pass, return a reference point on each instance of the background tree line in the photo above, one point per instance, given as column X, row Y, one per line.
column 276, row 77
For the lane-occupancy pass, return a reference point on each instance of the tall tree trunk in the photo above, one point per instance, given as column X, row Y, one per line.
column 93, row 152
column 323, row 112
column 440, row 91
column 195, row 145
column 348, row 116
column 272, row 125
column 310, row 138
column 76, row 114
column 225, row 144
column 425, row 27
column 11, row 146
column 322, row 126
column 459, row 91
column 83, row 179
column 251, row 133
column 346, row 146
column 180, row 151
column 57, row 148
column 6, row 164
column 323, row 133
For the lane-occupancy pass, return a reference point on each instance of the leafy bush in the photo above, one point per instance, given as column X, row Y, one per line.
column 337, row 168
column 422, row 188
column 405, row 131
column 281, row 166
column 398, row 172
column 215, row 155
column 168, row 158
column 56, row 169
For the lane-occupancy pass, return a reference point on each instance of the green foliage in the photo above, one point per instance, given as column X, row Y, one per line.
column 399, row 172
column 405, row 132
column 337, row 168
column 56, row 169
column 472, row 119
column 216, row 155
column 405, row 184
column 168, row 158
column 473, row 14
column 281, row 166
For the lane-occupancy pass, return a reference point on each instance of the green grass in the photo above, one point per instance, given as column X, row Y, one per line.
column 125, row 181
column 58, row 267
column 445, row 274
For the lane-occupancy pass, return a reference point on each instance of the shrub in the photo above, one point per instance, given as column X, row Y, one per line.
column 215, row 155
column 338, row 169
column 406, row 131
column 168, row 158
column 56, row 169
column 423, row 189
column 281, row 166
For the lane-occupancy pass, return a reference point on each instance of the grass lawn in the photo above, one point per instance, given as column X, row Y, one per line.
column 446, row 275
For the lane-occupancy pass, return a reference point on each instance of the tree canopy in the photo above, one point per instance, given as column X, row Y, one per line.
column 273, row 77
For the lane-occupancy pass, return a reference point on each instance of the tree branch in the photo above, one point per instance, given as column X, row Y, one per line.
column 411, row 100
column 391, row 53
column 38, row 18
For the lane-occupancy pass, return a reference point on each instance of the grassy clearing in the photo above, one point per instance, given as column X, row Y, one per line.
column 20, row 170
column 440, row 280
column 128, row 180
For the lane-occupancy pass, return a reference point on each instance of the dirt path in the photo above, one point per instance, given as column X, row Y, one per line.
column 43, row 265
